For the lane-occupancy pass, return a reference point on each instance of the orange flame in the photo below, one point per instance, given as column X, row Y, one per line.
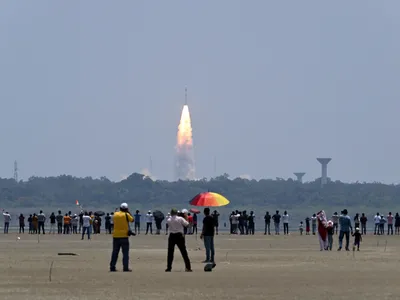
column 184, row 137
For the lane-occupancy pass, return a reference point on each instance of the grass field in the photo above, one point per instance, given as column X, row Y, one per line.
column 248, row 267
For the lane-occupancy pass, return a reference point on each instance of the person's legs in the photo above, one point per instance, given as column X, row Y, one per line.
column 269, row 228
column 341, row 233
column 125, row 253
column 182, row 247
column 321, row 242
column 212, row 258
column 115, row 252
column 83, row 232
column 330, row 242
column 6, row 227
column 347, row 239
column 171, row 249
column 207, row 246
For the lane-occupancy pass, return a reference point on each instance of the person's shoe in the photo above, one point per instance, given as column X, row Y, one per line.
column 167, row 270
column 188, row 270
column 340, row 248
column 214, row 265
column 127, row 270
column 358, row 249
column 347, row 249
column 113, row 270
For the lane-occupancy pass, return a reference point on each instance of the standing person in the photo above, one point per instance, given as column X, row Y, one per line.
column 190, row 220
column 231, row 221
column 241, row 222
column 137, row 221
column 285, row 220
column 177, row 237
column 245, row 222
column 330, row 231
column 363, row 221
column 277, row 219
column 215, row 215
column 267, row 220
column 397, row 223
column 251, row 225
column 158, row 220
column 235, row 222
column 21, row 223
column 7, row 220
column 314, row 224
column 208, row 235
column 335, row 220
column 52, row 223
column 149, row 222
column 60, row 219
column 195, row 223
column 80, row 221
column 122, row 218
column 30, row 224
column 35, row 223
column 345, row 229
column 107, row 223
column 86, row 220
column 377, row 221
column 74, row 223
column 390, row 223
column 357, row 239
column 308, row 225
column 357, row 221
column 322, row 232
column 382, row 225
column 301, row 227
column 41, row 220
column 67, row 223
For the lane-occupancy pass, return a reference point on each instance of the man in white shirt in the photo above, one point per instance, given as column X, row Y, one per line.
column 377, row 221
column 149, row 222
column 7, row 220
column 176, row 225
column 285, row 220
column 86, row 225
column 235, row 222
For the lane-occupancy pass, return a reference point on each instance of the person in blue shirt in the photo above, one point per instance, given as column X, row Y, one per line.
column 345, row 229
column 137, row 221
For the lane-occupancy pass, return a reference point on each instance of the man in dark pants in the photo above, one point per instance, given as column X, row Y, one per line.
column 207, row 235
column 121, row 237
column 60, row 219
column 41, row 220
column 345, row 229
column 176, row 224
column 267, row 219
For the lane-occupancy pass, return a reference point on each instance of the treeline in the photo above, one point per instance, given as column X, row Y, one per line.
column 62, row 191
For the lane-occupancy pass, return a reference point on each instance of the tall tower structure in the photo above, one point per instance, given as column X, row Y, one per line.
column 324, row 169
column 16, row 171
column 299, row 176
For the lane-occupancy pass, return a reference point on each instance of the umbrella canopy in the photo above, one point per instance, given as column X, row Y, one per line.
column 209, row 199
column 158, row 215
column 99, row 213
column 195, row 211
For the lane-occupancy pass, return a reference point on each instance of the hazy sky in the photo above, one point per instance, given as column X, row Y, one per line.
column 94, row 88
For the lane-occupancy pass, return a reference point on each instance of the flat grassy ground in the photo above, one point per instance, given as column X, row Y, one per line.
column 248, row 267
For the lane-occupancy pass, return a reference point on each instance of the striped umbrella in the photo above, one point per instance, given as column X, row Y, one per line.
column 209, row 199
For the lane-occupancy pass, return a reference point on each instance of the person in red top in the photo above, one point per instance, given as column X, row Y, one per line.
column 390, row 223
column 190, row 220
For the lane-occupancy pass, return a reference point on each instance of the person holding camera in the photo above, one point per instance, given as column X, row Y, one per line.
column 121, row 235
column 176, row 225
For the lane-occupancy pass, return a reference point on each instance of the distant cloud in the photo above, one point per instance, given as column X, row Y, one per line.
column 245, row 176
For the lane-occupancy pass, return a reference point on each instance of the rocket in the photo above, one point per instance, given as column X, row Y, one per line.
column 185, row 96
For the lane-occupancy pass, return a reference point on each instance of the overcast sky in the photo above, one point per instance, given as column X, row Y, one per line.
column 94, row 88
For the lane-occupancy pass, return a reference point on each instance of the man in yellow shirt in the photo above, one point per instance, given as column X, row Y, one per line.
column 122, row 219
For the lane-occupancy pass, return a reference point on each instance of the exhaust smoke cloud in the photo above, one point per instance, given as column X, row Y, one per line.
column 184, row 164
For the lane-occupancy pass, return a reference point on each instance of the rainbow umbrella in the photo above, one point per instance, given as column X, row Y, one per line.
column 209, row 199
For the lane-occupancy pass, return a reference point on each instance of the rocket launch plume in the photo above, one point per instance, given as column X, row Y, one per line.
column 184, row 168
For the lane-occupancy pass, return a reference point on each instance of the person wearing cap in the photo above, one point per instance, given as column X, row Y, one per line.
column 357, row 239
column 149, row 222
column 176, row 224
column 122, row 218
